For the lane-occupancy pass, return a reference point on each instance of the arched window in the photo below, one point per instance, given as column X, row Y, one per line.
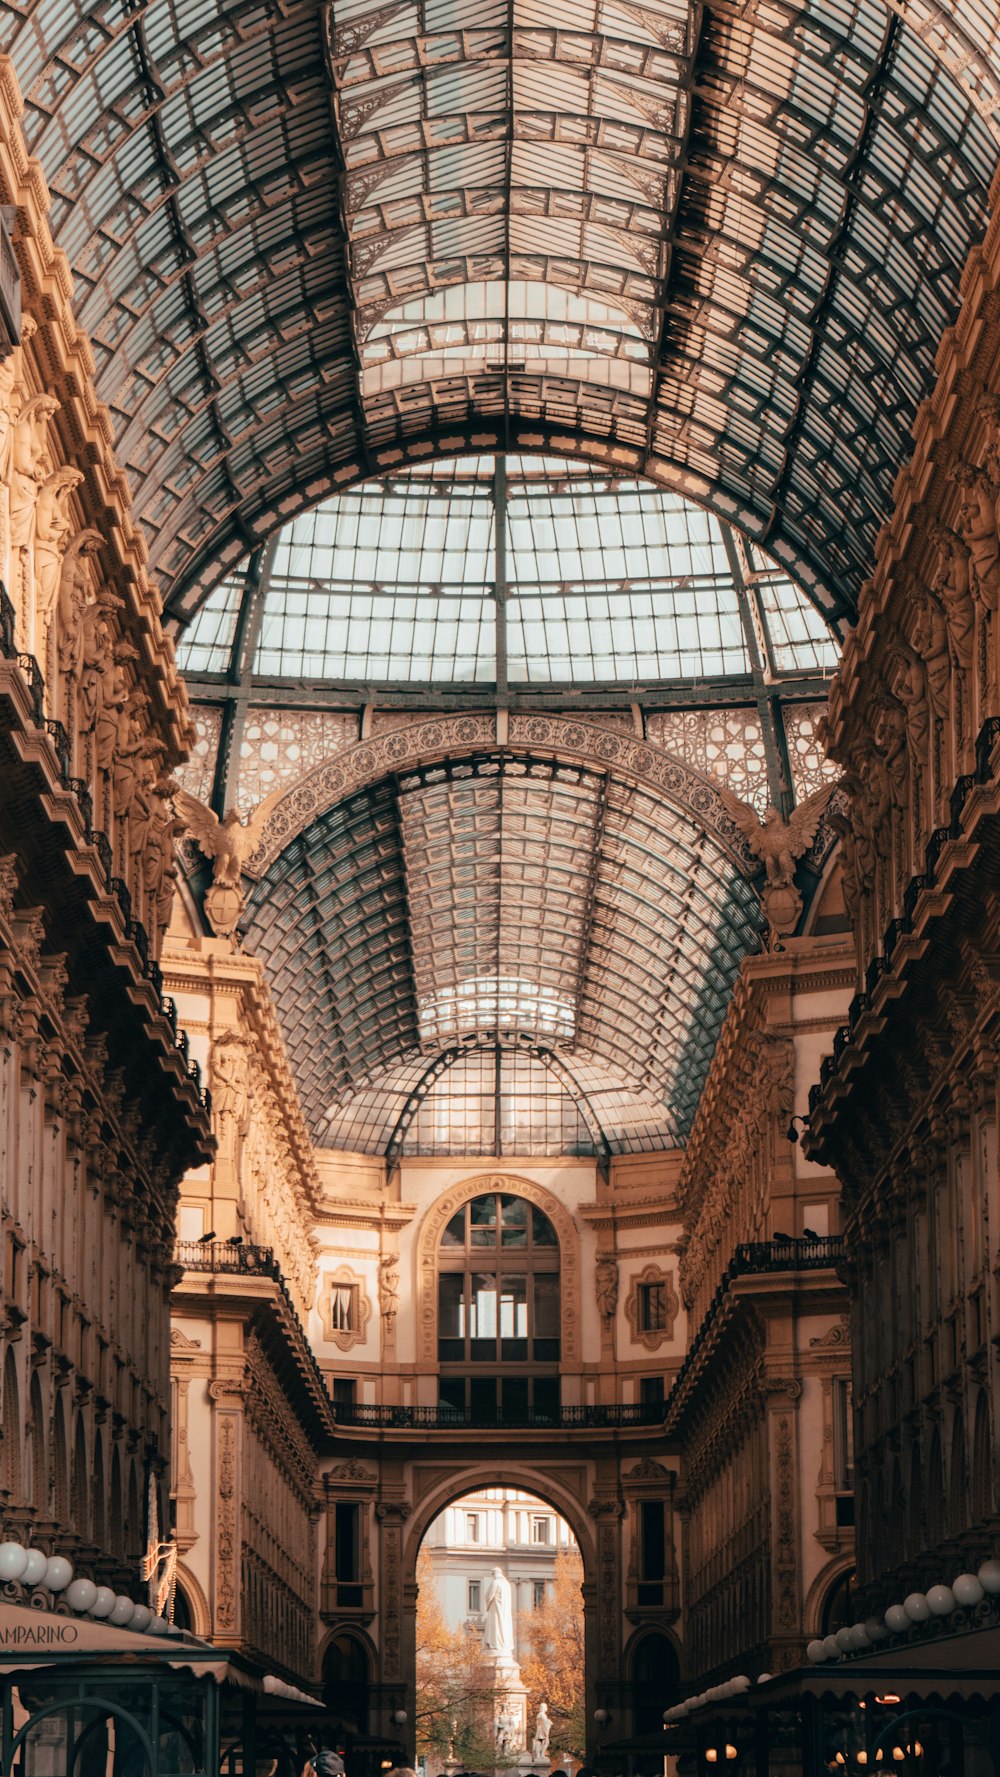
column 982, row 1462
column 60, row 1468
column 655, row 1681
column 838, row 1606
column 10, row 1421
column 346, row 1678
column 39, row 1490
column 498, row 1312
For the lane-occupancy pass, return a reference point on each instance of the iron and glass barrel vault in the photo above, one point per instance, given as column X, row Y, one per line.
column 312, row 242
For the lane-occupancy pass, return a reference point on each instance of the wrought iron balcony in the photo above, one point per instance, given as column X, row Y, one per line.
column 757, row 1258
column 611, row 1418
column 228, row 1256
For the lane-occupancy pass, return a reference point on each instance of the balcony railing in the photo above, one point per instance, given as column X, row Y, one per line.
column 754, row 1258
column 228, row 1256
column 803, row 1254
column 439, row 1418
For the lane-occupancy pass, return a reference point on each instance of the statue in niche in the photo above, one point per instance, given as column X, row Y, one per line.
column 873, row 804
column 144, row 800
column 907, row 678
column 542, row 1734
column 73, row 594
column 53, row 530
column 977, row 523
column 94, row 659
column 128, row 752
column 159, row 862
column 230, row 1077
column 988, row 409
column 606, row 1286
column 388, row 1291
column 952, row 586
column 929, row 635
column 13, row 391
column 890, row 739
column 30, row 466
column 498, row 1623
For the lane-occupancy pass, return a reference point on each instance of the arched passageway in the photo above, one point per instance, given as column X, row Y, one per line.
column 500, row 1662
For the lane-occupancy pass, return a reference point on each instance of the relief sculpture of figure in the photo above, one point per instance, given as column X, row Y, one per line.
column 952, row 585
column 72, row 596
column 388, row 1291
column 977, row 523
column 930, row 642
column 13, row 392
column 498, row 1625
column 29, row 468
column 53, row 530
column 606, row 1286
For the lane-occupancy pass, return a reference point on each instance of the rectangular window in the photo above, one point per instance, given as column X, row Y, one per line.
column 651, row 1391
column 451, row 1396
column 483, row 1318
column 451, row 1318
column 545, row 1398
column 652, row 1552
column 345, row 1391
column 483, row 1400
column 347, row 1554
column 472, row 1527
column 537, row 1593
column 475, row 1604
column 545, row 1332
column 652, row 1303
column 344, row 1307
column 843, row 1435
column 539, row 1530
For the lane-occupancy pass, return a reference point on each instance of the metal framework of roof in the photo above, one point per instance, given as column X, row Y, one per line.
column 314, row 240
column 504, row 582
column 499, row 902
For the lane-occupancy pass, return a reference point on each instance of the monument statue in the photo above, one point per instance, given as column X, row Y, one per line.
column 498, row 1626
column 540, row 1738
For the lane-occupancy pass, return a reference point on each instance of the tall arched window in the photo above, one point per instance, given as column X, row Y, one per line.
column 498, row 1312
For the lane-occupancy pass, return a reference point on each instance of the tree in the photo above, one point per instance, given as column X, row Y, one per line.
column 553, row 1667
column 456, row 1689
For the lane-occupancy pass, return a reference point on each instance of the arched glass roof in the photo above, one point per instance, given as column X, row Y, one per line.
column 507, row 572
column 316, row 241
column 502, row 900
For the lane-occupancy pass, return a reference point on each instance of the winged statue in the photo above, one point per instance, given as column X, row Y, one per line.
column 229, row 842
column 776, row 841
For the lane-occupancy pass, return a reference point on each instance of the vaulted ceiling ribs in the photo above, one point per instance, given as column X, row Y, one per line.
column 716, row 246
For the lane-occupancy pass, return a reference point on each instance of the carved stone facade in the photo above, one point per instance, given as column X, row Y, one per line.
column 101, row 1110
column 766, row 1312
column 907, row 1109
column 252, row 1410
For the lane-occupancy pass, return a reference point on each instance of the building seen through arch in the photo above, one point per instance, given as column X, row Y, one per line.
column 499, row 800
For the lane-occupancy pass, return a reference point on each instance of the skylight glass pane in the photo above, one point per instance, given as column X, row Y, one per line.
column 687, row 632
column 496, row 1002
column 322, row 633
column 800, row 640
column 207, row 643
column 609, row 581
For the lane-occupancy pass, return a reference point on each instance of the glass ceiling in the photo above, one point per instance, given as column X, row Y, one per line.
column 714, row 245
column 521, row 571
column 502, row 899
